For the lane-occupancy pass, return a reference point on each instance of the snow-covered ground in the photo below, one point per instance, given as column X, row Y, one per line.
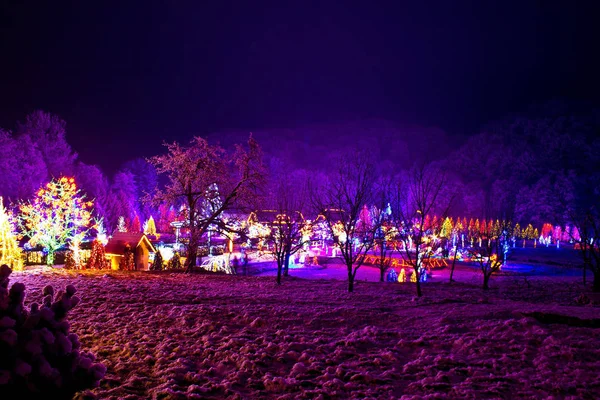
column 178, row 336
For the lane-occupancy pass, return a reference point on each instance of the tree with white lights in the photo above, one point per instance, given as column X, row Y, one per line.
column 58, row 216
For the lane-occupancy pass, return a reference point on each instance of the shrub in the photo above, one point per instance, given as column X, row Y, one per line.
column 175, row 262
column 157, row 264
column 39, row 357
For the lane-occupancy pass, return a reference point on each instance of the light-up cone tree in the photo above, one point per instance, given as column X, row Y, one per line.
column 10, row 253
column 194, row 170
column 58, row 216
column 150, row 227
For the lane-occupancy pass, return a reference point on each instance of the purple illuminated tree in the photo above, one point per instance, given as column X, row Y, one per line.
column 200, row 173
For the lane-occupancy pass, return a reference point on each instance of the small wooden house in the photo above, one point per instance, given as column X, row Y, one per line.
column 138, row 243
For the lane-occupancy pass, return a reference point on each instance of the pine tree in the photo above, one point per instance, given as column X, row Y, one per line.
column 121, row 226
column 10, row 253
column 174, row 262
column 517, row 231
column 446, row 230
column 97, row 258
column 150, row 227
column 70, row 261
column 127, row 262
column 157, row 264
column 135, row 224
column 402, row 276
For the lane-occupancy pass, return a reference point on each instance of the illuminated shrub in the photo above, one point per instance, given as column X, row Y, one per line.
column 39, row 357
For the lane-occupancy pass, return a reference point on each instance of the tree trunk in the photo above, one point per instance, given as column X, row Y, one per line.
column 50, row 258
column 350, row 280
column 486, row 281
column 453, row 262
column 191, row 257
column 584, row 273
column 286, row 271
column 279, row 268
column 419, row 292
column 381, row 273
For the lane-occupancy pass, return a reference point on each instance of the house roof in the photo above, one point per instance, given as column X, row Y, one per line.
column 116, row 244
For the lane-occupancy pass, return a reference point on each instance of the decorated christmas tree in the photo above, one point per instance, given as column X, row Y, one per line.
column 121, row 226
column 516, row 233
column 136, row 225
column 97, row 258
column 10, row 253
column 150, row 227
column 157, row 264
column 402, row 276
column 174, row 262
column 127, row 261
column 58, row 215
column 70, row 261
column 446, row 230
column 413, row 277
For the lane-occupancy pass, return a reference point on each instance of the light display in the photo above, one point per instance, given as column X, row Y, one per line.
column 97, row 258
column 121, row 226
column 402, row 276
column 10, row 253
column 136, row 225
column 58, row 216
column 150, row 227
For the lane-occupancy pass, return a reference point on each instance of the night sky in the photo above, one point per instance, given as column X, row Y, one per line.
column 127, row 77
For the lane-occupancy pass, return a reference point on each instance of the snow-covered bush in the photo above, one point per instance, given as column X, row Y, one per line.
column 38, row 355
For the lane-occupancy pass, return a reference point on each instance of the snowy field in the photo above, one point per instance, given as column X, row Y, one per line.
column 174, row 336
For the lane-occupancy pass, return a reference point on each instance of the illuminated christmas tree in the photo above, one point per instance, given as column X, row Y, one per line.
column 10, row 253
column 174, row 262
column 121, row 226
column 547, row 230
column 402, row 276
column 517, row 231
column 136, row 225
column 127, row 262
column 472, row 230
column 446, row 230
column 157, row 264
column 413, row 277
column 97, row 258
column 58, row 215
column 150, row 227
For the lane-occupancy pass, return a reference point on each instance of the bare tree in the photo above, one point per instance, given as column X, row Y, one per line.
column 588, row 242
column 490, row 252
column 208, row 182
column 340, row 201
column 385, row 231
column 289, row 231
column 415, row 196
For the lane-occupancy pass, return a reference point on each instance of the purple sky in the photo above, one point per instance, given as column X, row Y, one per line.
column 125, row 77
